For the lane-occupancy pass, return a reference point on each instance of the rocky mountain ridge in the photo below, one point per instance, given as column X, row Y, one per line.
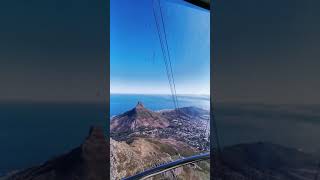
column 187, row 124
column 136, row 118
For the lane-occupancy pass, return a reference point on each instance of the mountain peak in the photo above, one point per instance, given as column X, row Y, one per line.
column 139, row 105
column 136, row 118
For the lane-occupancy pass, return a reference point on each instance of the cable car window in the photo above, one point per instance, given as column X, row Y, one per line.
column 160, row 90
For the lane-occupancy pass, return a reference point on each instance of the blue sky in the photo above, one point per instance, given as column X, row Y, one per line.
column 136, row 58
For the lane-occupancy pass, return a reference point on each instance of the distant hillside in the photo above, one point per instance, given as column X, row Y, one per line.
column 136, row 118
column 187, row 124
column 187, row 113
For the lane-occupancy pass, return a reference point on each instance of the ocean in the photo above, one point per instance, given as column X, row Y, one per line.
column 31, row 133
column 120, row 103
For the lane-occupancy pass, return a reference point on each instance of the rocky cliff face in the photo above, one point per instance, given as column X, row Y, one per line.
column 144, row 153
column 86, row 162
